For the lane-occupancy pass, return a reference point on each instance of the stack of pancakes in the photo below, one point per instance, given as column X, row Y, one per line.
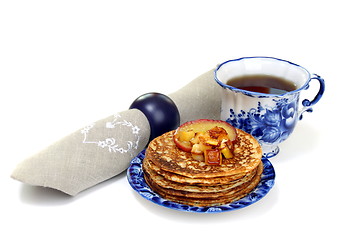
column 176, row 176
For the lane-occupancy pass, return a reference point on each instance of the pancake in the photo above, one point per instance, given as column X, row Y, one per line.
column 163, row 152
column 195, row 192
column 176, row 176
column 193, row 181
column 204, row 202
column 161, row 181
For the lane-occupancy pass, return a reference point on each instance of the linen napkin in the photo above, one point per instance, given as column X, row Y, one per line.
column 104, row 149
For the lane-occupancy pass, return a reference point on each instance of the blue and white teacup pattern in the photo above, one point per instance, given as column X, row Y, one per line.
column 270, row 118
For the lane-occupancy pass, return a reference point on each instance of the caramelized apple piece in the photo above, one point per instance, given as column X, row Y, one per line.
column 198, row 156
column 212, row 142
column 216, row 132
column 186, row 135
column 227, row 153
column 213, row 157
column 225, row 148
column 199, row 148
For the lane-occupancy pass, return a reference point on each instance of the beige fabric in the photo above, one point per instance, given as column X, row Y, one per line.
column 105, row 148
column 88, row 156
column 199, row 99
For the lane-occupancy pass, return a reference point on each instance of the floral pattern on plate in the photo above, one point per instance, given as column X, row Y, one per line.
column 136, row 179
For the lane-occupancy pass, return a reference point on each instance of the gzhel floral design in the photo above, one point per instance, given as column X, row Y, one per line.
column 268, row 124
column 111, row 143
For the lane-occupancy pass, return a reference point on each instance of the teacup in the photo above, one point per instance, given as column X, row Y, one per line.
column 269, row 117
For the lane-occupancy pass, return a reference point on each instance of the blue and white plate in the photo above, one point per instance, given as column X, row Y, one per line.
column 136, row 179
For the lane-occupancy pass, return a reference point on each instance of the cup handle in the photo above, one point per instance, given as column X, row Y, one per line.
column 306, row 102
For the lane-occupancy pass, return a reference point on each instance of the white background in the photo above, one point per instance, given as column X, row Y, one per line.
column 64, row 64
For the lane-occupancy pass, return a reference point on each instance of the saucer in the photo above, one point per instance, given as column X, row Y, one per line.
column 136, row 179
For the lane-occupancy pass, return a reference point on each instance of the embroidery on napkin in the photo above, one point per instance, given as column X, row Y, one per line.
column 111, row 143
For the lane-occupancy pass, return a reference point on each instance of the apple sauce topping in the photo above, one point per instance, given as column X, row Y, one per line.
column 210, row 146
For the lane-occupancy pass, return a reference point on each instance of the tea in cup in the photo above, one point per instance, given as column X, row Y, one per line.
column 261, row 96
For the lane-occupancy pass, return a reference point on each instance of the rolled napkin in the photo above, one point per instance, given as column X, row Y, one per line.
column 104, row 149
